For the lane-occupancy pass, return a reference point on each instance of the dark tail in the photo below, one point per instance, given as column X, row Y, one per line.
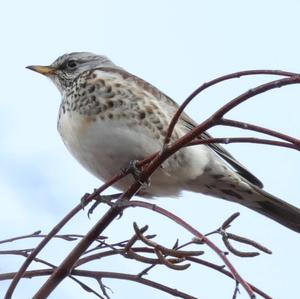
column 275, row 208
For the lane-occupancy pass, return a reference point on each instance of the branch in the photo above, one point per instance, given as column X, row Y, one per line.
column 219, row 268
column 25, row 253
column 217, row 81
column 202, row 237
column 54, row 231
column 228, row 140
column 247, row 126
column 37, row 234
column 102, row 274
column 107, row 253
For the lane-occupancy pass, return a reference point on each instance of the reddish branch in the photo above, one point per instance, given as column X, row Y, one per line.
column 114, row 251
column 54, row 231
column 124, row 247
column 247, row 126
column 98, row 275
column 25, row 253
column 153, row 163
column 217, row 81
column 197, row 260
column 228, row 140
column 37, row 234
column 197, row 234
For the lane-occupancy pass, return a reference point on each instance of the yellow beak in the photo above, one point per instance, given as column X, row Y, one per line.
column 44, row 70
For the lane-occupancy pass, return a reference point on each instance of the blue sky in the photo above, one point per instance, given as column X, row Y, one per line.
column 176, row 46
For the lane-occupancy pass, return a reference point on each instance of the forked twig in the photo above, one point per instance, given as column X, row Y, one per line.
column 226, row 236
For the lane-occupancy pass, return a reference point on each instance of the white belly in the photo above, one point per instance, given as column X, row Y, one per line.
column 105, row 147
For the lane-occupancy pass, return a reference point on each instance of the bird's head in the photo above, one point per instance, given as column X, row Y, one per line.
column 66, row 68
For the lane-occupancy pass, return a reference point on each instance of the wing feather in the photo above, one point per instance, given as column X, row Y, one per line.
column 189, row 123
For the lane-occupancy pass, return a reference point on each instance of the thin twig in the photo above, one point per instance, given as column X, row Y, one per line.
column 219, row 268
column 214, row 82
column 236, row 251
column 248, row 126
column 228, row 140
column 165, row 250
column 66, row 237
column 25, row 253
column 226, row 224
column 134, row 238
column 249, row 242
column 166, row 262
column 100, row 275
column 196, row 233
column 54, row 232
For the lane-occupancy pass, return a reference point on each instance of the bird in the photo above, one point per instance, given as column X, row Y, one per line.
column 109, row 117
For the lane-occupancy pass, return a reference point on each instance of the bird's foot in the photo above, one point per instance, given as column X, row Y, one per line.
column 107, row 199
column 84, row 200
column 137, row 173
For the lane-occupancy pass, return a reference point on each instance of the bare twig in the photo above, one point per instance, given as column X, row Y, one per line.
column 236, row 290
column 166, row 262
column 165, row 250
column 134, row 238
column 197, row 234
column 25, row 253
column 53, row 232
column 228, row 140
column 226, row 236
column 249, row 242
column 226, row 224
column 100, row 275
column 247, row 126
column 217, row 81
column 66, row 237
column 235, row 251
column 219, row 268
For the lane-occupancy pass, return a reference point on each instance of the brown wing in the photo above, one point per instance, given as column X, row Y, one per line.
column 223, row 153
column 189, row 124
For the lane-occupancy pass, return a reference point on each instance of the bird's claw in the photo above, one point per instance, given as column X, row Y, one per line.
column 137, row 173
column 107, row 199
column 83, row 200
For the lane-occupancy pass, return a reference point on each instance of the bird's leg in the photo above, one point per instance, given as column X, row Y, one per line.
column 137, row 173
column 132, row 169
column 99, row 199
column 107, row 199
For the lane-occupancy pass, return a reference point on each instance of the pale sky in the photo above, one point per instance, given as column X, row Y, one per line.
column 175, row 45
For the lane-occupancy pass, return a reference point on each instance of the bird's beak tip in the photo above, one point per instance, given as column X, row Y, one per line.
column 44, row 70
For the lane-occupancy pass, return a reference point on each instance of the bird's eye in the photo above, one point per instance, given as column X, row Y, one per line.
column 71, row 64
